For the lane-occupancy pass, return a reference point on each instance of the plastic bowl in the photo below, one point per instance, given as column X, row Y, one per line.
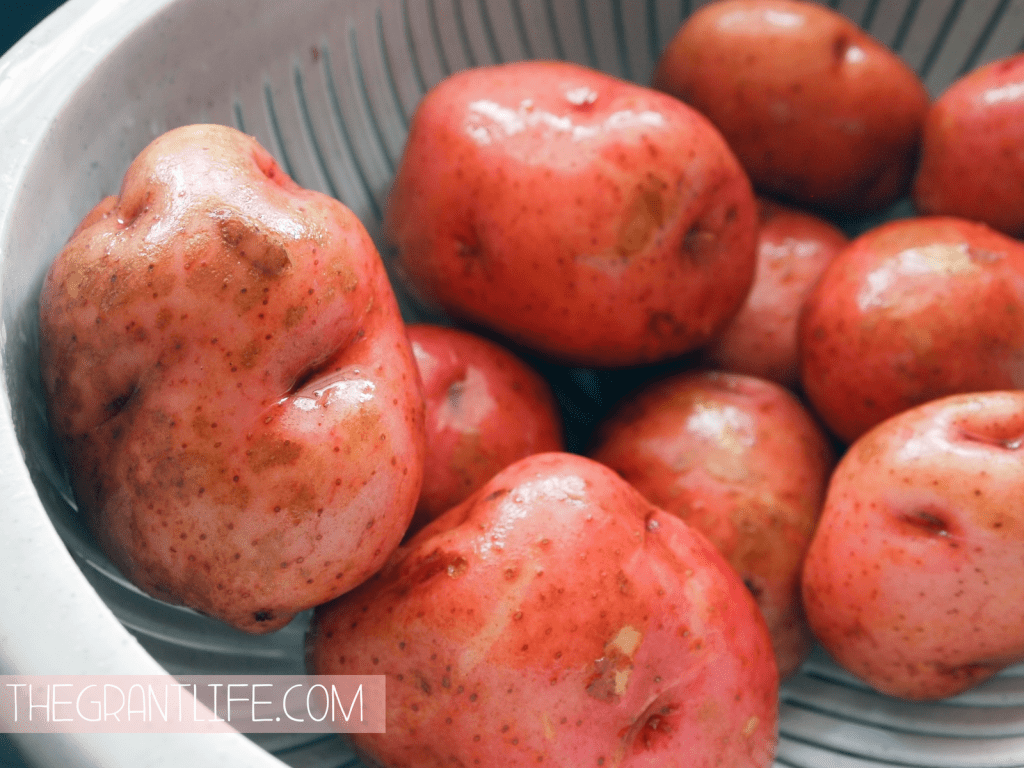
column 329, row 89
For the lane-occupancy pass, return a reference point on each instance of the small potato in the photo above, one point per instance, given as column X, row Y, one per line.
column 972, row 152
column 592, row 220
column 740, row 460
column 793, row 249
column 557, row 618
column 911, row 311
column 818, row 112
column 226, row 368
column 912, row 581
column 486, row 408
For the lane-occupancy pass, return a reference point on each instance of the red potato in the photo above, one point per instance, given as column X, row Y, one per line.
column 740, row 460
column 587, row 218
column 486, row 408
column 909, row 312
column 793, row 249
column 226, row 368
column 912, row 581
column 557, row 618
column 972, row 151
column 818, row 111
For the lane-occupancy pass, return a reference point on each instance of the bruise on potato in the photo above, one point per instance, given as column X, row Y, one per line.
column 225, row 367
column 558, row 617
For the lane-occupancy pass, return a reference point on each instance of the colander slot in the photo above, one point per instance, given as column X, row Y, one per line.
column 964, row 35
column 796, row 754
column 316, row 752
column 890, row 25
column 854, row 10
column 369, row 164
column 570, row 30
column 327, row 184
column 1004, row 32
column 602, row 20
column 666, row 18
column 449, row 36
column 891, row 747
column 378, row 101
column 384, row 68
column 402, row 56
column 277, row 140
column 476, row 33
column 509, row 16
column 931, row 23
column 426, row 41
column 929, row 718
column 541, row 25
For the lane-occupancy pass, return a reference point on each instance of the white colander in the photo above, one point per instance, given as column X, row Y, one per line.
column 329, row 88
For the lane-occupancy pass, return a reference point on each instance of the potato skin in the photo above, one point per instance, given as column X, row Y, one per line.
column 558, row 617
column 741, row 460
column 485, row 409
column 793, row 249
column 590, row 219
column 912, row 581
column 225, row 366
column 972, row 151
column 818, row 111
column 910, row 311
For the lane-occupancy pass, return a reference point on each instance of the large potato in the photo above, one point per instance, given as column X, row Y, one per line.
column 911, row 311
column 912, row 581
column 740, row 460
column 556, row 618
column 226, row 368
column 972, row 151
column 793, row 249
column 590, row 219
column 817, row 110
column 486, row 408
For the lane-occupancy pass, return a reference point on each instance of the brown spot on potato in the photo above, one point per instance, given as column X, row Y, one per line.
column 249, row 353
column 293, row 316
column 264, row 252
column 269, row 451
column 643, row 217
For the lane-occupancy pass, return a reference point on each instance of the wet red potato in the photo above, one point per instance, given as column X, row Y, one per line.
column 972, row 150
column 912, row 579
column 911, row 311
column 818, row 111
column 485, row 408
column 582, row 216
column 230, row 379
column 558, row 617
column 793, row 249
column 739, row 459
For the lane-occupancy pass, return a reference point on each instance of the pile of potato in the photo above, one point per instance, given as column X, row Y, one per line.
column 830, row 449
